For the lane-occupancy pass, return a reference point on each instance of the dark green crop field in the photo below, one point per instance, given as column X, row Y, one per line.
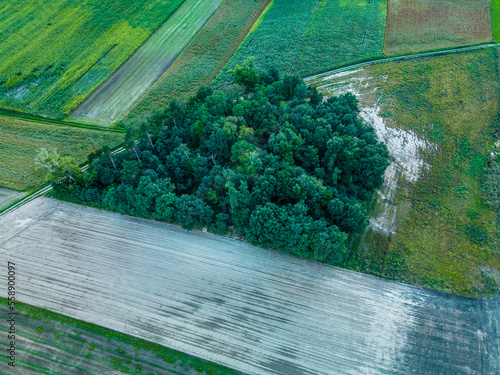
column 309, row 36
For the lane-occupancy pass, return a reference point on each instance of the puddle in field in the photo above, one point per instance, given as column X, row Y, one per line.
column 405, row 147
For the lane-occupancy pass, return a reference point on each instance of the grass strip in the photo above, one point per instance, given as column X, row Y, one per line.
column 495, row 19
column 50, row 121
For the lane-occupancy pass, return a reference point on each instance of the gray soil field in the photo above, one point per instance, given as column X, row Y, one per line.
column 8, row 197
column 255, row 310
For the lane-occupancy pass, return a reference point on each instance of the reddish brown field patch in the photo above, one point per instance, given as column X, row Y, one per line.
column 418, row 25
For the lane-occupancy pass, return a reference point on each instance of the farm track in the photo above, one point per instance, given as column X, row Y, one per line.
column 254, row 310
column 112, row 99
column 314, row 77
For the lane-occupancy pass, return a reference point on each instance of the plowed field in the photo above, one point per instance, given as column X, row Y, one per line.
column 254, row 310
column 419, row 25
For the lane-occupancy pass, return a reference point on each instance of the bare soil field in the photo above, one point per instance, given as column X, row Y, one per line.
column 254, row 310
column 419, row 25
column 111, row 100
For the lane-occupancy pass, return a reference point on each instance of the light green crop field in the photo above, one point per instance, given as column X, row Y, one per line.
column 204, row 57
column 495, row 19
column 21, row 140
column 54, row 53
column 111, row 101
column 419, row 25
column 310, row 36
column 447, row 232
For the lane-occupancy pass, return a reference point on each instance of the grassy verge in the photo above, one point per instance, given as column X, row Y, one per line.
column 45, row 120
column 21, row 140
column 54, row 53
column 204, row 56
column 306, row 37
column 495, row 19
column 447, row 233
column 49, row 342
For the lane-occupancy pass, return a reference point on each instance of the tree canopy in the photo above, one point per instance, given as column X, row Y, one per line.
column 273, row 162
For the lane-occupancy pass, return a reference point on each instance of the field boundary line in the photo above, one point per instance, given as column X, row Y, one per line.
column 399, row 58
column 56, row 122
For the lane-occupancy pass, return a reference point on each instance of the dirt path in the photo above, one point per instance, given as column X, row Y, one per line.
column 254, row 310
column 111, row 99
column 318, row 77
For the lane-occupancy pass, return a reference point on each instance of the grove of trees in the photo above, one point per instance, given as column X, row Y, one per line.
column 273, row 162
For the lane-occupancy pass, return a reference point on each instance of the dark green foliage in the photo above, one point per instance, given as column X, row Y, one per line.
column 279, row 166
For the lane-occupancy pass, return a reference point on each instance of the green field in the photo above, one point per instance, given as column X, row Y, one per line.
column 495, row 19
column 54, row 53
column 50, row 343
column 112, row 100
column 204, row 56
column 419, row 25
column 21, row 140
column 447, row 233
column 310, row 36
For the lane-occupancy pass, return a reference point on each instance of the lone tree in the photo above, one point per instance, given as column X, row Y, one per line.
column 62, row 172
column 246, row 75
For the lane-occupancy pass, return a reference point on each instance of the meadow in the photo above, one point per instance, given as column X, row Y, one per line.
column 310, row 36
column 21, row 140
column 110, row 101
column 54, row 53
column 204, row 57
column 447, row 232
column 419, row 25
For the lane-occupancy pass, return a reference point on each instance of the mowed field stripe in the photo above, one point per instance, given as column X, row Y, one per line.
column 254, row 310
column 110, row 101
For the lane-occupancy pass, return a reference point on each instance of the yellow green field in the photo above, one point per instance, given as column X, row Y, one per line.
column 21, row 140
column 54, row 53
